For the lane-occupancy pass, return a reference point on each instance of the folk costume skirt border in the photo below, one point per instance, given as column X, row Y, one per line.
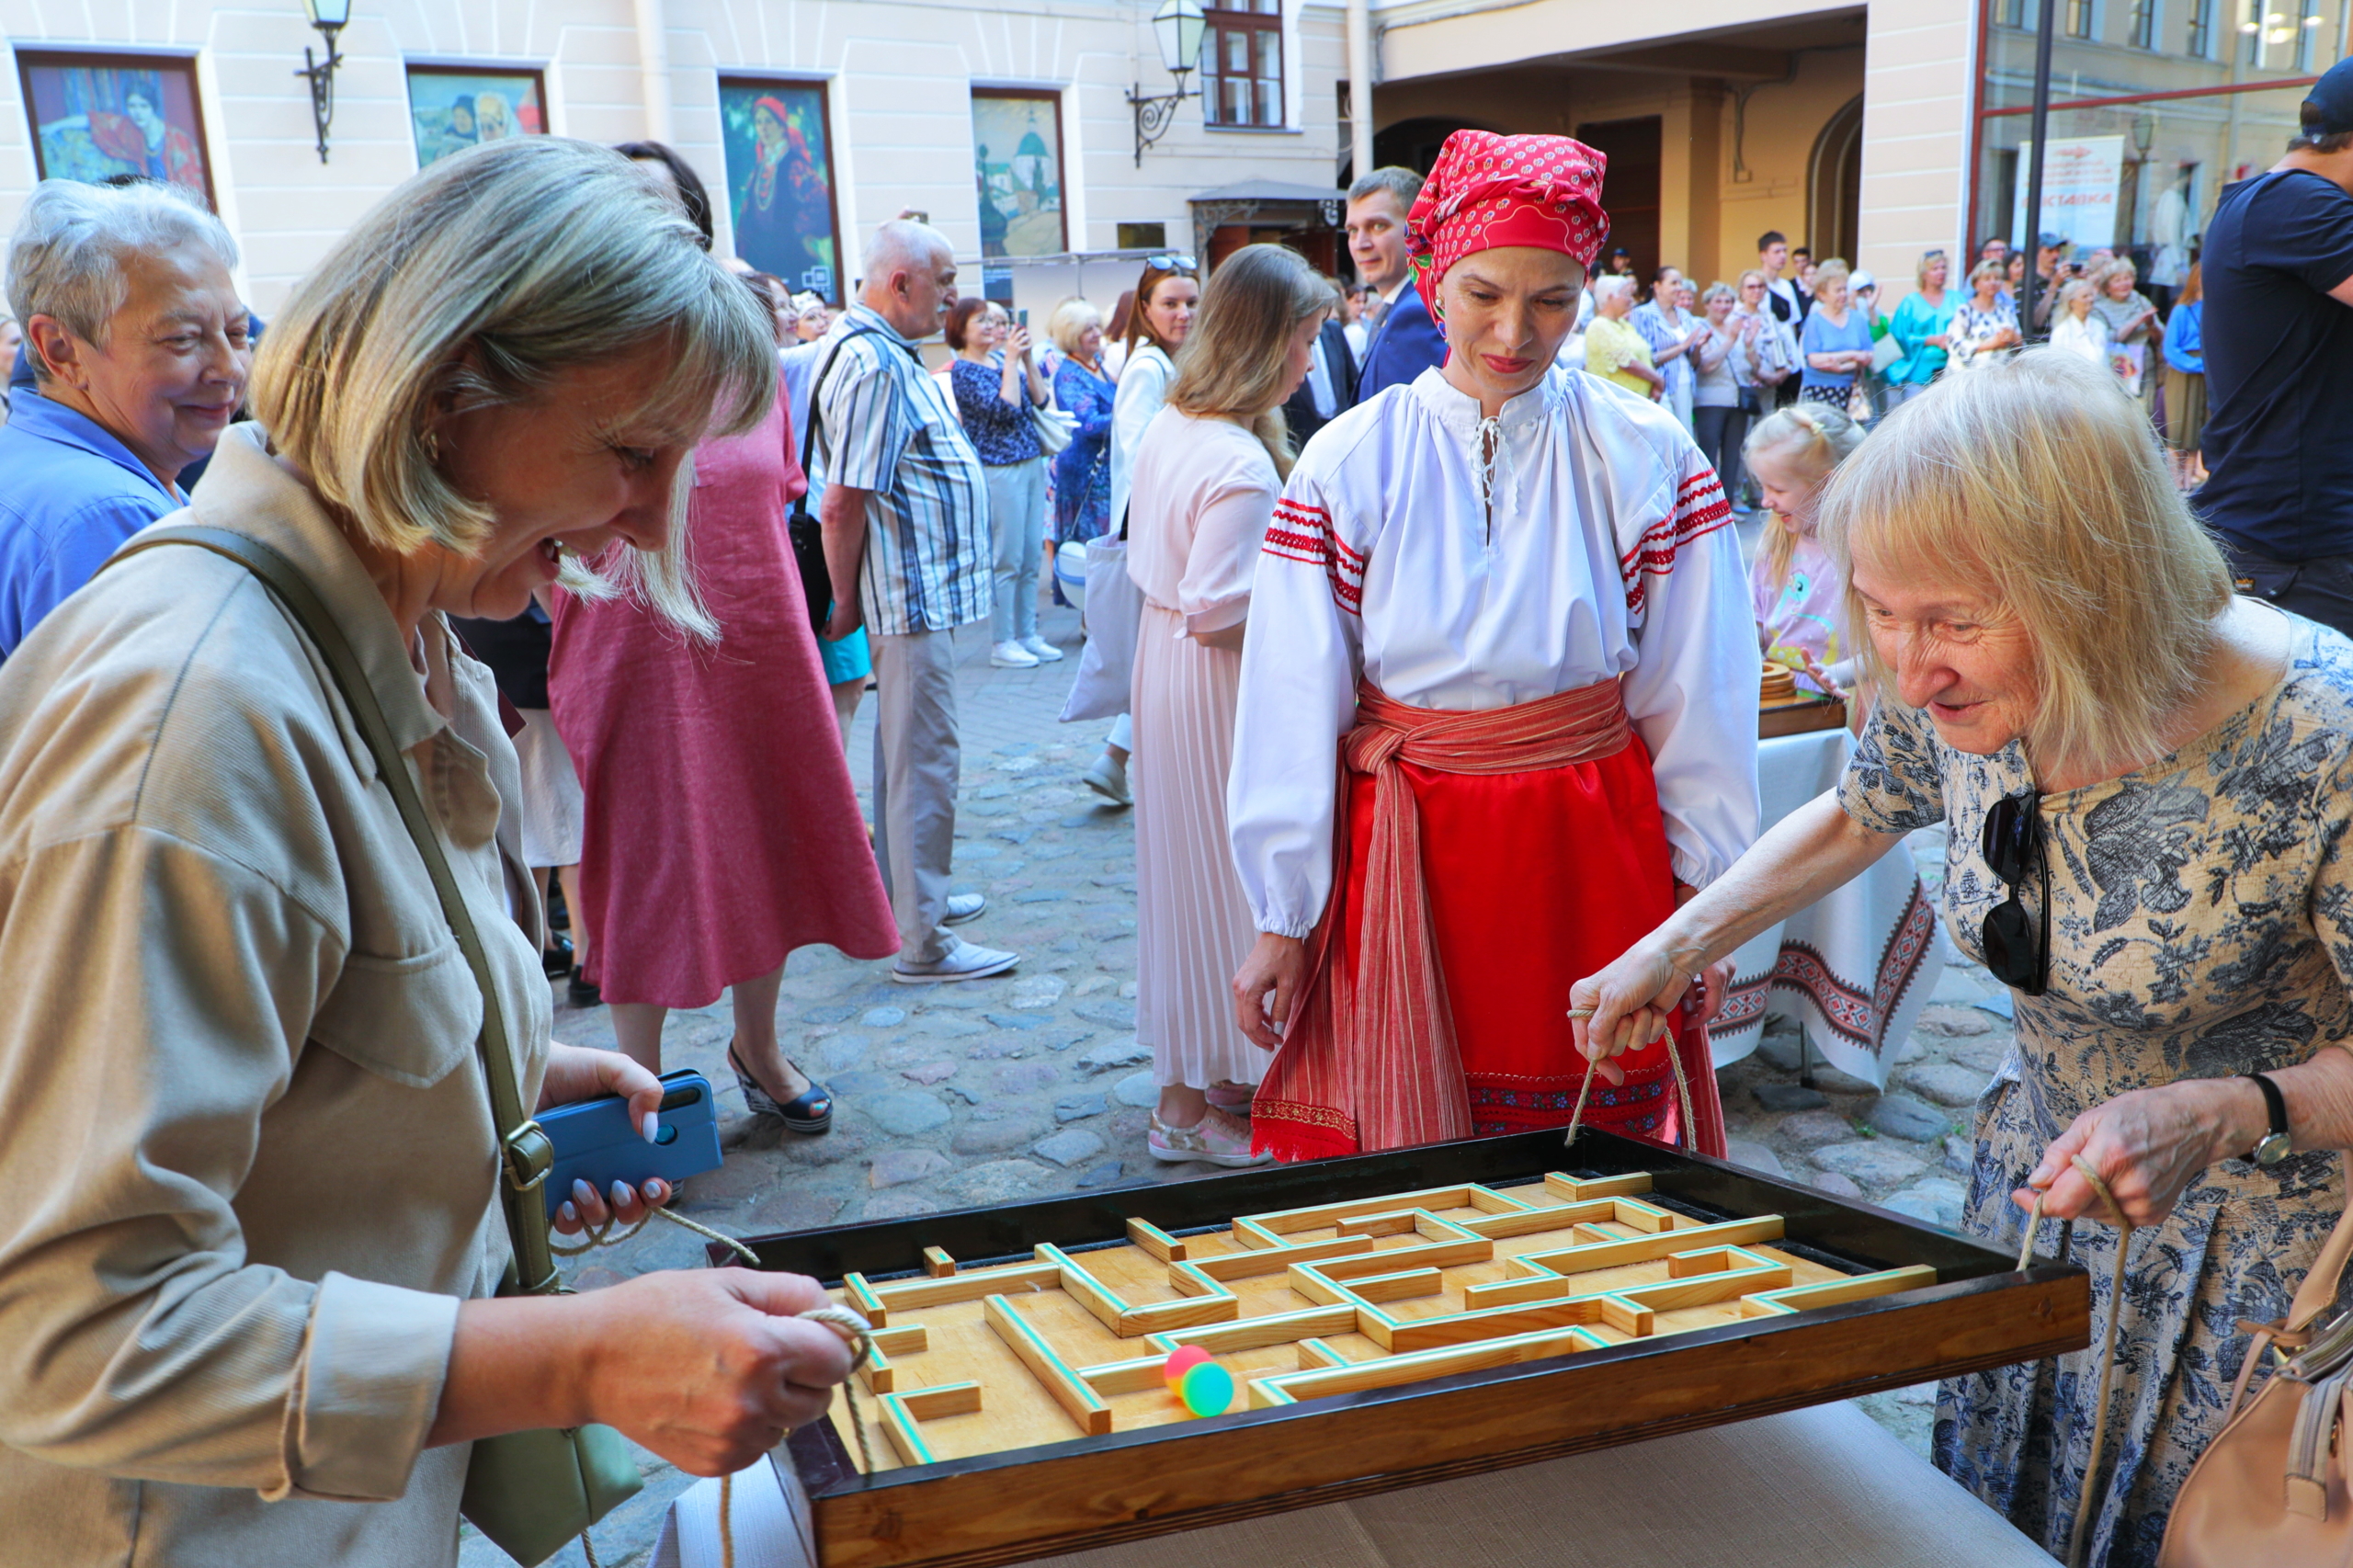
column 1533, row 879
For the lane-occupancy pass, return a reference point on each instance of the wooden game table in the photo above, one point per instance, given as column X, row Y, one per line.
column 1426, row 1316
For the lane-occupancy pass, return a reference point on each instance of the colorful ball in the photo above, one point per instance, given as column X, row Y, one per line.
column 1207, row 1389
column 1182, row 1359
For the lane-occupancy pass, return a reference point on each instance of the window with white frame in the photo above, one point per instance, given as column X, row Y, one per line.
column 1242, row 64
column 2145, row 19
column 2200, row 43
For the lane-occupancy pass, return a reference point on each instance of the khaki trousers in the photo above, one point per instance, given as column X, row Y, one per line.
column 918, row 761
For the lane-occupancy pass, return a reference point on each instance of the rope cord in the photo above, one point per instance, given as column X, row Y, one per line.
column 1689, row 1134
column 860, row 1336
column 602, row 1236
column 2083, row 1510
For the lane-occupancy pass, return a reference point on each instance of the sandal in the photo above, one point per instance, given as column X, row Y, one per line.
column 810, row 1111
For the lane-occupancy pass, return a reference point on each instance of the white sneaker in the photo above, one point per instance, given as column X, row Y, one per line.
column 1108, row 778
column 965, row 960
column 963, row 907
column 1045, row 652
column 1012, row 656
column 1206, row 1141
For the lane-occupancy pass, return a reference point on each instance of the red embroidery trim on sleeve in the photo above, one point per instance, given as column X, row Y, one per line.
column 1304, row 533
column 1701, row 508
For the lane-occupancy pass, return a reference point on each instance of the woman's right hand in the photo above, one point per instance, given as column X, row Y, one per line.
column 1627, row 1005
column 1278, row 967
column 710, row 1367
column 1016, row 342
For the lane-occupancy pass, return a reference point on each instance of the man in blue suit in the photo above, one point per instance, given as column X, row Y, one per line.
column 1406, row 342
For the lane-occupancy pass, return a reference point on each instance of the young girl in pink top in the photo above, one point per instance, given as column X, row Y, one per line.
column 1794, row 590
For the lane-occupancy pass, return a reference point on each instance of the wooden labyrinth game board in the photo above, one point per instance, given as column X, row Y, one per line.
column 1366, row 1324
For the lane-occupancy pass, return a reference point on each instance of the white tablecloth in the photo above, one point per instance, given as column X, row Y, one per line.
column 1818, row 1488
column 1856, row 968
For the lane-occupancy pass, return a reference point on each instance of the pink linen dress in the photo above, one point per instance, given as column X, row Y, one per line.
column 722, row 829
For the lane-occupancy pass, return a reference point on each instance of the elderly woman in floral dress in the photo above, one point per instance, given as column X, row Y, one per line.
column 2149, row 784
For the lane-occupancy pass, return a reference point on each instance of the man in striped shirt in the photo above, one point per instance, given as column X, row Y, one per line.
column 905, row 517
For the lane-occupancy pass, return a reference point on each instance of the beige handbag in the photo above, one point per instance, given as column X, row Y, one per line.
column 2270, row 1488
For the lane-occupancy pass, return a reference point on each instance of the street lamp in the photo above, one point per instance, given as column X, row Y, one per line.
column 329, row 17
column 1178, row 26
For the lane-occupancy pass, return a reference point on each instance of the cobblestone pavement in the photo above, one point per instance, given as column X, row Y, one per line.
column 1032, row 1084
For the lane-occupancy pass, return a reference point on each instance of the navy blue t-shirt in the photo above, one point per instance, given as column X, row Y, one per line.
column 2278, row 439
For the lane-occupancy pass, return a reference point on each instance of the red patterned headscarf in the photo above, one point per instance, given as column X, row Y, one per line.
column 1487, row 191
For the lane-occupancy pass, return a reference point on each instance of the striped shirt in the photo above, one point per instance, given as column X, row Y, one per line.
column 889, row 428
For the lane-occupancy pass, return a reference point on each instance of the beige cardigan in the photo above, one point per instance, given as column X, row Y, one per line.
column 248, row 1158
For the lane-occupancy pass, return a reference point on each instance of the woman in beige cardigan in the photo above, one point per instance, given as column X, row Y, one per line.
column 245, row 1275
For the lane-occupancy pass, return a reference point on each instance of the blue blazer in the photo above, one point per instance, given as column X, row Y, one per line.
column 1407, row 343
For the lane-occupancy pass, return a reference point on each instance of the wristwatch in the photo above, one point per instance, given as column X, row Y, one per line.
column 2273, row 1147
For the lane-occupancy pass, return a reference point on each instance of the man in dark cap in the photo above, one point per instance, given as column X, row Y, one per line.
column 2279, row 338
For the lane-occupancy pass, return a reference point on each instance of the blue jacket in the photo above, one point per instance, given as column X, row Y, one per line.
column 70, row 493
column 1407, row 343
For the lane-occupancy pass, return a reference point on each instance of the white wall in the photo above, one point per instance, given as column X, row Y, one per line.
column 898, row 73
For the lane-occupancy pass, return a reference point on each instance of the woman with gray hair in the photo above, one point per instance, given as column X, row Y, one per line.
column 139, row 347
column 250, row 1279
column 2146, row 783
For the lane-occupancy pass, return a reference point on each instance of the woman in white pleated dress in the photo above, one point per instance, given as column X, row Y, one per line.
column 1207, row 475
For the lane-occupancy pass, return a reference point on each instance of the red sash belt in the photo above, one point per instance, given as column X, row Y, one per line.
column 1399, row 1081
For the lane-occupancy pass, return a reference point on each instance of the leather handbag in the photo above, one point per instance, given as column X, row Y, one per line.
column 528, row 1492
column 2271, row 1487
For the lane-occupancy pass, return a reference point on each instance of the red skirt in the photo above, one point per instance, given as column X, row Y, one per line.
column 1535, row 880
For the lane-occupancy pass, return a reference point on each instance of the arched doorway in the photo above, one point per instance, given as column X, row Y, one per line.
column 1835, row 184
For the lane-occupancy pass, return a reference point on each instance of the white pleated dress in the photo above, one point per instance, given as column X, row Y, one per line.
column 1204, row 492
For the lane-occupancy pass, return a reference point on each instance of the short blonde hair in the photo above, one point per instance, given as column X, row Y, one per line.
column 1826, row 270
column 1235, row 363
column 2039, row 482
column 476, row 283
column 1929, row 258
column 1071, row 318
column 1819, row 437
column 1995, row 270
column 1610, row 285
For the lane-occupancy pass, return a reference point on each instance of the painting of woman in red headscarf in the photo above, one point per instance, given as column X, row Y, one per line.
column 100, row 117
column 781, row 181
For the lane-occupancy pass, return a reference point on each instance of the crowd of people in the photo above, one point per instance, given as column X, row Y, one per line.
column 1435, row 589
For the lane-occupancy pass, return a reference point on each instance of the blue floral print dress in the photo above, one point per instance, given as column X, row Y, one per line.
column 2203, row 910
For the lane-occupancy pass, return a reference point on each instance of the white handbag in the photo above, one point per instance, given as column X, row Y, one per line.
column 1114, row 611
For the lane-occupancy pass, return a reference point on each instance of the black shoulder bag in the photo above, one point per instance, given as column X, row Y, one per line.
column 807, row 534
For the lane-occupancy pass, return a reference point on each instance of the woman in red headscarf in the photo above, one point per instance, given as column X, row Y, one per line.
column 1498, row 708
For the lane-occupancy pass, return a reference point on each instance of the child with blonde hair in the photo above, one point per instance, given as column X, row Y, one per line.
column 1794, row 588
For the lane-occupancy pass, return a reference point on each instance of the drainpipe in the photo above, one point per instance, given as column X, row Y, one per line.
column 654, row 68
column 1360, row 85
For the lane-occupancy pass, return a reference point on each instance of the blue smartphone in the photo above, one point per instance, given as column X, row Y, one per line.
column 599, row 1142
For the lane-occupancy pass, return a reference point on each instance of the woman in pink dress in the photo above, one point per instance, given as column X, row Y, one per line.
column 721, row 831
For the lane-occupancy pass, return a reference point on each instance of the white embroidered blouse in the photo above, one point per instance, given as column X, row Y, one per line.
column 1605, row 552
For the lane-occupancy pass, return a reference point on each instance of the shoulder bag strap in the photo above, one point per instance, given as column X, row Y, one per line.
column 525, row 1153
column 816, row 424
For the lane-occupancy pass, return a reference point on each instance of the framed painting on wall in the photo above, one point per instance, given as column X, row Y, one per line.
column 781, row 181
column 97, row 116
column 1017, row 161
column 452, row 107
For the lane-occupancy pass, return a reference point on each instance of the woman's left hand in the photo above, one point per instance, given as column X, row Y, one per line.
column 2147, row 1145
column 575, row 1074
